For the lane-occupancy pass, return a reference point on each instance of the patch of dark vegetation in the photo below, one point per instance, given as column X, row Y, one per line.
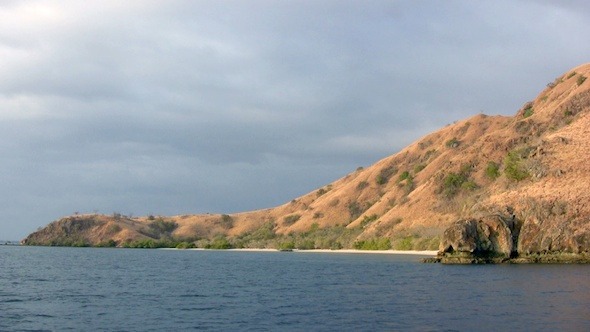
column 455, row 182
column 368, row 219
column 291, row 219
column 151, row 244
column 227, row 221
column 492, row 170
column 161, row 228
column 381, row 243
column 385, row 174
column 362, row 185
column 356, row 209
column 419, row 168
column 453, row 143
column 514, row 167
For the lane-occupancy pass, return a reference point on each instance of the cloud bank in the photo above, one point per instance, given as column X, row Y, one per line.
column 174, row 107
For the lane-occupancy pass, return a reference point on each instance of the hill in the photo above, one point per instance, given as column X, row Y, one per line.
column 532, row 166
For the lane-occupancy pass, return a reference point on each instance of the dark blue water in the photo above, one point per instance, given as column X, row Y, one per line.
column 91, row 289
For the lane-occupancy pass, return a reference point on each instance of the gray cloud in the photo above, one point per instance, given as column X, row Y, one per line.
column 221, row 106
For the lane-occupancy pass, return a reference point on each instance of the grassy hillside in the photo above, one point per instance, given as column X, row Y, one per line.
column 533, row 165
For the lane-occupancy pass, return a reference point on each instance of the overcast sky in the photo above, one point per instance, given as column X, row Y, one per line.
column 178, row 107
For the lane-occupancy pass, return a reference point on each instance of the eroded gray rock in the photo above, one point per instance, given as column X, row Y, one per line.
column 490, row 239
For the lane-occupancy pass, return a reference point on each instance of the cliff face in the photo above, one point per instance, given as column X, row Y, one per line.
column 531, row 167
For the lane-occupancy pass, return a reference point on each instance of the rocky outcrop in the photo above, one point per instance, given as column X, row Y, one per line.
column 501, row 239
column 547, row 236
column 490, row 239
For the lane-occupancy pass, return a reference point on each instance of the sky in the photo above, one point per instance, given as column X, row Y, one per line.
column 181, row 107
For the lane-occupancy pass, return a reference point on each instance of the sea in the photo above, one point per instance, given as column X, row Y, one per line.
column 110, row 289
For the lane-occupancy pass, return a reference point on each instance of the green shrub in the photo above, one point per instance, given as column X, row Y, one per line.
column 356, row 209
column 405, row 175
column 415, row 242
column 385, row 174
column 219, row 242
column 454, row 182
column 185, row 245
column 492, row 170
column 160, row 226
column 368, row 219
column 373, row 244
column 469, row 185
column 581, row 79
column 418, row 168
column 227, row 221
column 113, row 229
column 514, row 168
column 572, row 74
column 453, row 143
column 149, row 244
column 287, row 245
column 80, row 243
column 262, row 237
column 107, row 244
column 335, row 237
column 429, row 154
column 336, row 246
column 405, row 243
column 528, row 112
column 314, row 227
column 291, row 219
column 362, row 185
column 305, row 244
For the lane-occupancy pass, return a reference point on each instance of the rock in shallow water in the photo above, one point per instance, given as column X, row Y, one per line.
column 499, row 239
column 486, row 240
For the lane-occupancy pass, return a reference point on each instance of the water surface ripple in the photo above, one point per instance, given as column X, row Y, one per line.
column 75, row 289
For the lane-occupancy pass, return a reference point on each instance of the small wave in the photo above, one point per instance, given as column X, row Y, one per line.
column 12, row 301
column 43, row 316
column 191, row 295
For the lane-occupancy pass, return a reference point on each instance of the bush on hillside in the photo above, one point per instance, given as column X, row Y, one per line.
column 453, row 183
column 453, row 143
column 227, row 221
column 385, row 174
column 514, row 168
column 160, row 226
column 381, row 243
column 291, row 219
column 219, row 242
column 492, row 170
column 419, row 168
column 362, row 185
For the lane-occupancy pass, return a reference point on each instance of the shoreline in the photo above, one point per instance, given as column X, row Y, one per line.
column 385, row 252
column 338, row 251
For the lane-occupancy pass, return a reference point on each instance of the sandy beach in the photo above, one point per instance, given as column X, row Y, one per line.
column 340, row 251
column 388, row 252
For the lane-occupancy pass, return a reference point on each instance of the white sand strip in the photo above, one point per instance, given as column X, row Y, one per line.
column 354, row 251
column 330, row 251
